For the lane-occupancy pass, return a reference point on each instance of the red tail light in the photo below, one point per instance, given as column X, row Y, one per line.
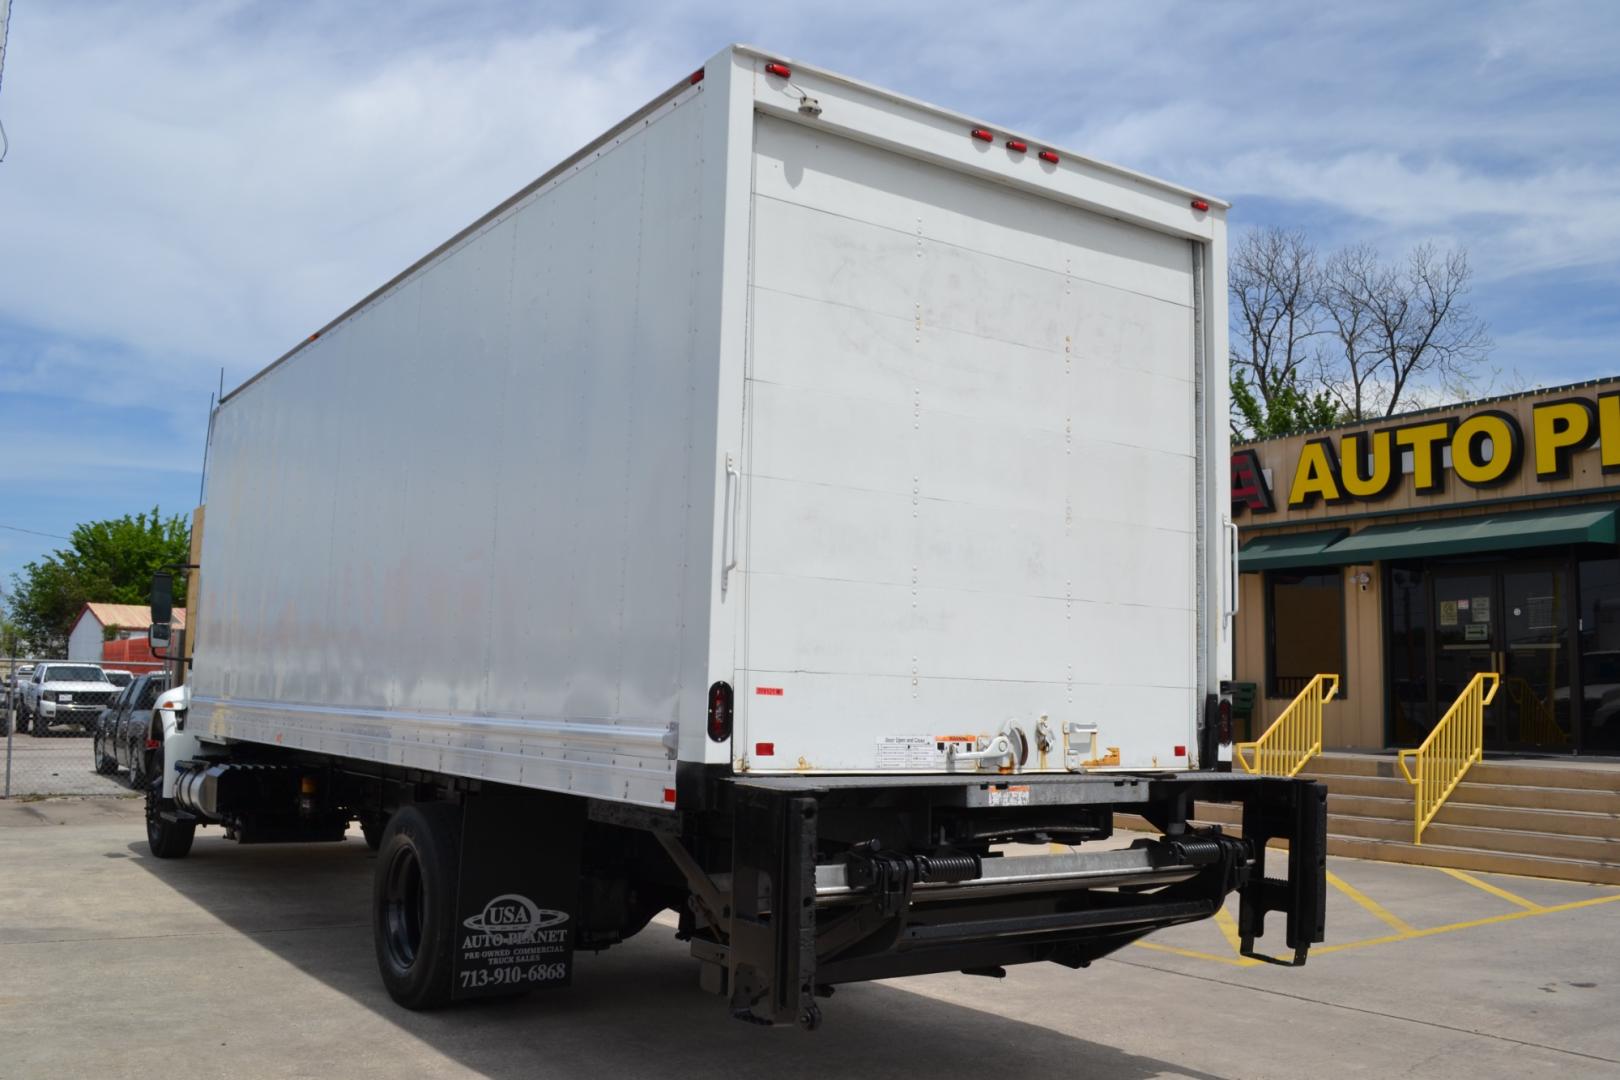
column 720, row 711
column 152, row 744
column 781, row 71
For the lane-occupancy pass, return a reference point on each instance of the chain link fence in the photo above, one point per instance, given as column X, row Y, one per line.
column 52, row 734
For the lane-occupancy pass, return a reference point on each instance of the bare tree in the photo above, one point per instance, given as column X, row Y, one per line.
column 1402, row 333
column 1274, row 281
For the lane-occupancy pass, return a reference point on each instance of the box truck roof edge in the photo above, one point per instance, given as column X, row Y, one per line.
column 1193, row 196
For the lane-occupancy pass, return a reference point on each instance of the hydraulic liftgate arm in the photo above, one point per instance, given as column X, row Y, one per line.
column 778, row 957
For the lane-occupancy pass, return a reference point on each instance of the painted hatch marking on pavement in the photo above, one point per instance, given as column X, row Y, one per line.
column 1403, row 931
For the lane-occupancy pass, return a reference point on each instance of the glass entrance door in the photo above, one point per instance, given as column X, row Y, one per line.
column 1534, row 702
column 1465, row 636
column 1513, row 619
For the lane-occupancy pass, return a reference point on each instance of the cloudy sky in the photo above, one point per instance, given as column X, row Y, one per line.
column 197, row 186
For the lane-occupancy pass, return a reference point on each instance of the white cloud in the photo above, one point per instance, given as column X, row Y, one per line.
column 196, row 185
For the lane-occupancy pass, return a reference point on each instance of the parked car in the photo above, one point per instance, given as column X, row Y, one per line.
column 63, row 694
column 118, row 677
column 9, row 682
column 124, row 727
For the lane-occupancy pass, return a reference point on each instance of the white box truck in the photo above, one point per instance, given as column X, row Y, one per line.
column 787, row 511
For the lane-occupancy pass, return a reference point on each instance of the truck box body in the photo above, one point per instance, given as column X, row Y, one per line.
column 905, row 434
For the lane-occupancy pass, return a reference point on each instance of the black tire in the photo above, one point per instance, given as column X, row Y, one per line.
column 372, row 828
column 167, row 839
column 139, row 777
column 413, row 903
column 98, row 754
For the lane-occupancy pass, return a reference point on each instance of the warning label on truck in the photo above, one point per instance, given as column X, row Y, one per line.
column 909, row 752
column 1012, row 795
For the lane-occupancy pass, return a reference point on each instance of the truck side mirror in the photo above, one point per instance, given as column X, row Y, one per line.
column 163, row 598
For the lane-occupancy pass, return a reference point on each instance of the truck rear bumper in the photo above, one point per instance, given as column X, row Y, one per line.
column 807, row 908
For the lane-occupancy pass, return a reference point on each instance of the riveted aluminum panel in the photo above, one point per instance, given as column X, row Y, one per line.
column 970, row 465
column 467, row 528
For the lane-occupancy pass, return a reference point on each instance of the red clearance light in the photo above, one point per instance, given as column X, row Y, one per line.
column 1015, row 145
column 669, row 794
column 720, row 711
column 1181, row 751
column 1200, row 204
column 1047, row 155
column 697, row 77
column 781, row 71
column 765, row 749
column 983, row 135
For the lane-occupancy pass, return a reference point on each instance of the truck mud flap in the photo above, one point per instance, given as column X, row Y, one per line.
column 517, row 895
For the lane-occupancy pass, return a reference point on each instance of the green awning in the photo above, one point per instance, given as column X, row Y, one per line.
column 1489, row 532
column 1289, row 551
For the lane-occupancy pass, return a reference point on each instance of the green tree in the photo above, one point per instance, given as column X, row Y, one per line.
column 109, row 561
column 1285, row 410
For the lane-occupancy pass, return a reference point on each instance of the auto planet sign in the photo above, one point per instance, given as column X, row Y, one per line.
column 1487, row 448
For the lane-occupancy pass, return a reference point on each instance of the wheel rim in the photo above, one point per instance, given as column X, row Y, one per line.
column 404, row 907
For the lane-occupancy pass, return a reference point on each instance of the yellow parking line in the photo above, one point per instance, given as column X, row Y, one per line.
column 1194, row 954
column 1510, row 916
column 1229, row 930
column 1470, row 879
column 1394, row 921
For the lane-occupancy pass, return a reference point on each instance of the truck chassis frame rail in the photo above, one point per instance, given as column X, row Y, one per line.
column 797, row 924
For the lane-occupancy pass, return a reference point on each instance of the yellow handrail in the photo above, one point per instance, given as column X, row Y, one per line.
column 1294, row 737
column 1456, row 742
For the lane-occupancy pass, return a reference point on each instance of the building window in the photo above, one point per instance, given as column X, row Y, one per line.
column 1304, row 629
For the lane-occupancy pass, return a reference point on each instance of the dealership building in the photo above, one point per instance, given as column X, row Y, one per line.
column 1407, row 554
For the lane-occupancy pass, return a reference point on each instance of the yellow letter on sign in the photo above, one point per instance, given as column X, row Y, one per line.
column 1426, row 442
column 1316, row 476
column 1381, row 474
column 1609, row 426
column 1468, row 449
column 1561, row 427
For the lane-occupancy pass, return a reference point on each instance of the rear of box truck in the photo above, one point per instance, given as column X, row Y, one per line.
column 982, row 457
column 803, row 509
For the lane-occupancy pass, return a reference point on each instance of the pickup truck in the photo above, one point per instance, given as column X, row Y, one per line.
column 61, row 694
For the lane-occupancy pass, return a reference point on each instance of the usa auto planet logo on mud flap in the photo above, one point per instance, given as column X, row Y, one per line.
column 513, row 942
column 510, row 919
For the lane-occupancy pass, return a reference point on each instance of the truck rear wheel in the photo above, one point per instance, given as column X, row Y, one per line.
column 413, row 909
column 166, row 839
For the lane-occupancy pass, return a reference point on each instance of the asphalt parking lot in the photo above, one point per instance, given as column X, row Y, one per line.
column 256, row 961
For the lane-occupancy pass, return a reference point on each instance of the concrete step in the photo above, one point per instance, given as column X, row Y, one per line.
column 1592, row 849
column 1559, row 822
column 1519, row 773
column 1472, row 790
column 1462, row 858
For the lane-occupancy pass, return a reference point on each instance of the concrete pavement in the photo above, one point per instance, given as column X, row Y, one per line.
column 257, row 961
